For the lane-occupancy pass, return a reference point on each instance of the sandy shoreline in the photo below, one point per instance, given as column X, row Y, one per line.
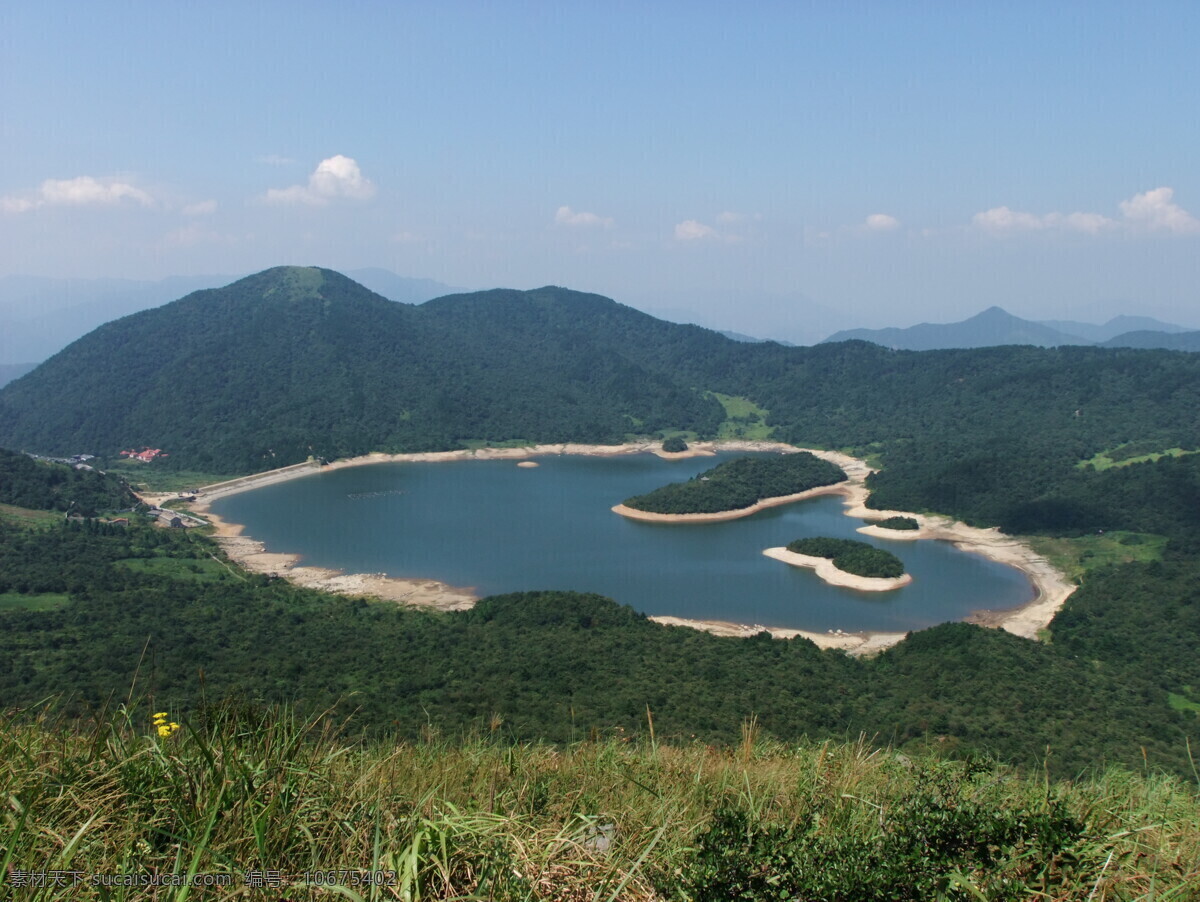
column 897, row 535
column 825, row 570
column 1051, row 588
column 253, row 556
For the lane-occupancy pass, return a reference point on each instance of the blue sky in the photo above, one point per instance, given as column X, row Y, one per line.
column 759, row 167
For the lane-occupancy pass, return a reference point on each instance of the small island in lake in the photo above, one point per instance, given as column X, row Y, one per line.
column 737, row 486
column 675, row 445
column 894, row 528
column 845, row 562
column 897, row 523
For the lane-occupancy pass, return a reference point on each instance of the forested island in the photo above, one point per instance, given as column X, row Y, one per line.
column 897, row 523
column 739, row 484
column 851, row 556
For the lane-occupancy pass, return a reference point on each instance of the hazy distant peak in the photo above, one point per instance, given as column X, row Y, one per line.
column 1153, row 338
column 1118, row 325
column 993, row 313
column 991, row 327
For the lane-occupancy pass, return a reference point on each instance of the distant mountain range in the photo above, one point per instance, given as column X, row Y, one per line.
column 41, row 316
column 1116, row 327
column 1179, row 341
column 996, row 326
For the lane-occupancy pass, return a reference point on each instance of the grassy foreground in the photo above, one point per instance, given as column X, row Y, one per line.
column 281, row 809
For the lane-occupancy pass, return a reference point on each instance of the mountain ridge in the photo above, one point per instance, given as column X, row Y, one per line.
column 1118, row 325
column 991, row 327
column 311, row 362
column 39, row 316
column 995, row 326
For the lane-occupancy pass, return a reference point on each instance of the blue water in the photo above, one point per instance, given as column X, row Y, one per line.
column 497, row 527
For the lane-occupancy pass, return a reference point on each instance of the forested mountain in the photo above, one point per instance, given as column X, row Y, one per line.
column 297, row 361
column 991, row 328
column 41, row 316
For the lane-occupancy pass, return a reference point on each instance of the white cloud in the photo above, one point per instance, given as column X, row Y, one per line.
column 729, row 217
column 1155, row 210
column 335, row 177
column 1002, row 219
column 1087, row 222
column 87, row 190
column 16, row 204
column 691, row 230
column 77, row 192
column 202, row 208
column 568, row 217
column 881, row 222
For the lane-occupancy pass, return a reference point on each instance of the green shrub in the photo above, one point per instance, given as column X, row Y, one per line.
column 948, row 838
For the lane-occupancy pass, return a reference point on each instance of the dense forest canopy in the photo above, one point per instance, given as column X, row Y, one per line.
column 296, row 362
column 47, row 485
column 740, row 483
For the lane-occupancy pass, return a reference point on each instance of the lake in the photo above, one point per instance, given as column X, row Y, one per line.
column 497, row 527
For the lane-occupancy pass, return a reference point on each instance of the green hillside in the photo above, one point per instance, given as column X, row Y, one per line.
column 298, row 361
column 46, row 485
